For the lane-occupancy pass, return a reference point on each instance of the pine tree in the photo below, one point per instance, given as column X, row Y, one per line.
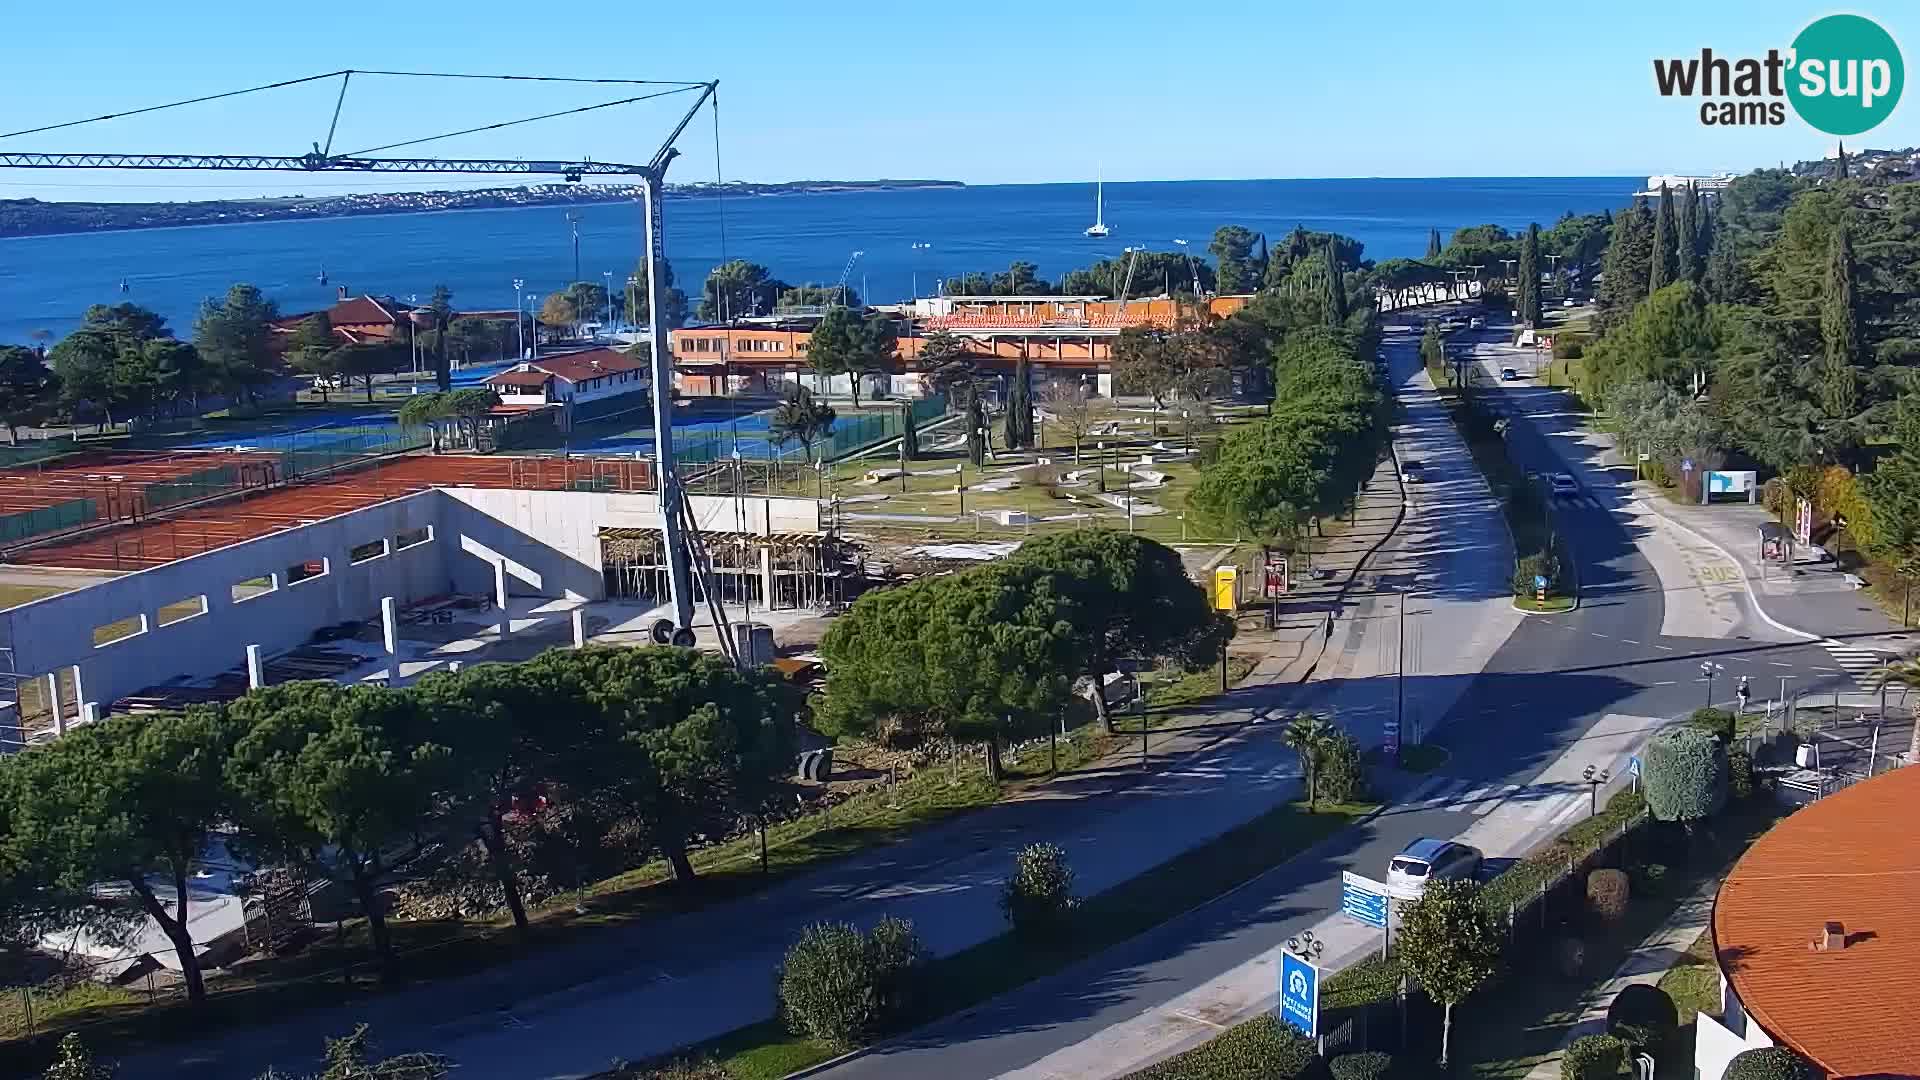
column 1660, row 269
column 1687, row 236
column 1528, row 300
column 1433, row 243
column 1839, row 331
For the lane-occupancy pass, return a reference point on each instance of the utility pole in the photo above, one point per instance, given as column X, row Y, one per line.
column 1400, row 673
column 519, row 304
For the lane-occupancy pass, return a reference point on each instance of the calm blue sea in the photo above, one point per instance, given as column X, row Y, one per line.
column 45, row 282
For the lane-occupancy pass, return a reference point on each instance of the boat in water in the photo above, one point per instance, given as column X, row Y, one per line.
column 1099, row 226
column 323, row 274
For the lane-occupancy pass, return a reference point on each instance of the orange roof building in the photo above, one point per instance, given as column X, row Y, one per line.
column 1817, row 931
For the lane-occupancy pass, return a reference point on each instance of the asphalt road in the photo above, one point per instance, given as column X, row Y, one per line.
column 1543, row 692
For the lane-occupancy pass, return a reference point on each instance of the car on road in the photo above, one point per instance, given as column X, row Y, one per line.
column 1563, row 485
column 1568, row 302
column 1508, row 374
column 1427, row 859
column 1409, row 471
column 1476, row 323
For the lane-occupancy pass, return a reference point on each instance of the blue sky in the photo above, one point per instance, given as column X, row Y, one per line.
column 987, row 92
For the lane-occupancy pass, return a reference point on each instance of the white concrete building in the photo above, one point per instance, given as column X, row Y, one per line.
column 574, row 378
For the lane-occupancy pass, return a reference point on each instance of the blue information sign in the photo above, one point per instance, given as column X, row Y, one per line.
column 1362, row 899
column 1299, row 993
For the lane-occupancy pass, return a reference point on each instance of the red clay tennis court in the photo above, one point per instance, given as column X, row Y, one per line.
column 161, row 538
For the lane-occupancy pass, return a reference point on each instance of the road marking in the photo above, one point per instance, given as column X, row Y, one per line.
column 1629, row 641
column 1200, row 1020
column 1476, row 793
column 1550, row 809
column 1668, row 682
column 1498, row 799
column 1445, row 795
column 1664, row 648
column 1776, row 663
column 1420, row 792
column 1601, row 636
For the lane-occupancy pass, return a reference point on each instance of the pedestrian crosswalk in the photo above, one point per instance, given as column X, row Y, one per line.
column 1540, row 802
column 1862, row 665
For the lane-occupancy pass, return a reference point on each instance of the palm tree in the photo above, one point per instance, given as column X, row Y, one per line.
column 801, row 418
column 1905, row 673
column 1308, row 735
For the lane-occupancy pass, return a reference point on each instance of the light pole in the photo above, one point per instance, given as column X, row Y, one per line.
column 533, row 318
column 1192, row 267
column 1784, row 680
column 520, row 302
column 1595, row 781
column 917, row 249
column 633, row 284
column 606, row 295
column 413, row 338
column 1100, row 466
column 1708, row 669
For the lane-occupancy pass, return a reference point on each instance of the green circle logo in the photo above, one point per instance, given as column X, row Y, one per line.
column 1847, row 74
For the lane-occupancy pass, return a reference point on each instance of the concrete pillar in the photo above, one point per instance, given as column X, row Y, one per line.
column 453, row 666
column 90, row 712
column 579, row 628
column 256, row 671
column 389, row 626
column 766, row 577
column 500, row 584
column 53, row 702
column 79, row 690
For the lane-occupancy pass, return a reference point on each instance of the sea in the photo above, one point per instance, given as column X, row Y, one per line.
column 889, row 245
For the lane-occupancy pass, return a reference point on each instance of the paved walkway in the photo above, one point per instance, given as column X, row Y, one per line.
column 1651, row 959
column 634, row 993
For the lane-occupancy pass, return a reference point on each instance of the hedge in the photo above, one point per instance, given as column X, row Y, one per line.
column 1260, row 1049
column 1643, row 1016
column 1593, row 1057
column 1522, row 881
column 1769, row 1063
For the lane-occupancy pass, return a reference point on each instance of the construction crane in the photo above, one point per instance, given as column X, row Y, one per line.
column 676, row 518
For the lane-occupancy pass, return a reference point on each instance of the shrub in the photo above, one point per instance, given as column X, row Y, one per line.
column 1739, row 774
column 1769, row 1063
column 1643, row 1016
column 1715, row 722
column 73, row 1061
column 1343, row 774
column 1260, row 1049
column 1607, row 894
column 1686, row 775
column 1593, row 1057
column 1371, row 1065
column 1539, row 564
column 1039, row 898
column 1568, row 347
column 843, row 987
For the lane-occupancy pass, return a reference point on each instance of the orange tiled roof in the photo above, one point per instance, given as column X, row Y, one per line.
column 1851, row 858
column 590, row 364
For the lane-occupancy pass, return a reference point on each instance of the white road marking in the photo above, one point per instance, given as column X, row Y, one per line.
column 1664, row 648
column 1628, row 640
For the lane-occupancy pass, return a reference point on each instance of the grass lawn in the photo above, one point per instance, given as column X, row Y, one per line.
column 1552, row 605
column 1694, row 985
column 765, row 1051
column 1422, row 757
column 12, row 595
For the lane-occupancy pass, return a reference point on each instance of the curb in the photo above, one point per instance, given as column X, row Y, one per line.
column 1746, row 582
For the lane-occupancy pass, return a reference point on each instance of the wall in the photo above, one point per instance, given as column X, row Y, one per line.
column 1718, row 1041
column 58, row 631
column 551, row 539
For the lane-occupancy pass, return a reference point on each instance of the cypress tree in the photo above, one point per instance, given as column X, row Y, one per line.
column 1660, row 270
column 1019, row 419
column 1703, row 230
column 1839, row 330
column 1336, row 295
column 1528, row 300
column 1840, row 161
column 1433, row 243
column 1624, row 271
column 1687, row 236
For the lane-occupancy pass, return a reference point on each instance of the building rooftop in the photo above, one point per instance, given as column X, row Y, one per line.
column 574, row 367
column 1851, row 859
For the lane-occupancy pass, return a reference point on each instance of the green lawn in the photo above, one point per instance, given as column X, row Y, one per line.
column 1422, row 757
column 1552, row 605
column 765, row 1051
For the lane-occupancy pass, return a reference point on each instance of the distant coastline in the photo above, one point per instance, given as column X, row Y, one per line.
column 32, row 217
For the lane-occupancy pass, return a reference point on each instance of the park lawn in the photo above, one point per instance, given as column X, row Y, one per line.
column 765, row 1051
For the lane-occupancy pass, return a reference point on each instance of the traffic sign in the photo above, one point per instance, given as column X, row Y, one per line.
column 1363, row 899
column 1686, row 465
column 1279, row 577
column 1299, row 993
column 1633, row 764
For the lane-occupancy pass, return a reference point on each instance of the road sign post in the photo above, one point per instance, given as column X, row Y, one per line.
column 1366, row 901
column 1300, row 993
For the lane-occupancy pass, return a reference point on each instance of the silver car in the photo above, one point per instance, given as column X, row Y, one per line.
column 1427, row 860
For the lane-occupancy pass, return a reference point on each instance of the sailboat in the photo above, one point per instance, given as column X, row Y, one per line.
column 1099, row 226
column 323, row 273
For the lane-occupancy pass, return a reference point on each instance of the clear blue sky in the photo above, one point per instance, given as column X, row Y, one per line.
column 987, row 92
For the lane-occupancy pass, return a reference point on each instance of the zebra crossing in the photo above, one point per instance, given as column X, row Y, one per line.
column 1541, row 802
column 1862, row 665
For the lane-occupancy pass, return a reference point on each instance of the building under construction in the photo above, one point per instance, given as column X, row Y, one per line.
column 193, row 557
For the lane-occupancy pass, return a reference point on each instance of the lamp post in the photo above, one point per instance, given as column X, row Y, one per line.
column 1192, row 266
column 533, row 317
column 1306, row 946
column 633, row 283
column 1708, row 669
column 1595, row 779
column 519, row 302
column 606, row 295
column 1100, row 465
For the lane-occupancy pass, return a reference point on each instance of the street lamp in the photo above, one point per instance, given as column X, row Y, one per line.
column 1708, row 669
column 1596, row 779
column 519, row 302
column 1192, row 266
column 1100, row 465
column 606, row 294
column 1306, row 946
column 633, row 286
column 917, row 249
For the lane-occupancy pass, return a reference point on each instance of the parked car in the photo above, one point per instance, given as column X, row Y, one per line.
column 1476, row 323
column 1563, row 485
column 1409, row 471
column 1508, row 374
column 1568, row 302
column 1427, row 859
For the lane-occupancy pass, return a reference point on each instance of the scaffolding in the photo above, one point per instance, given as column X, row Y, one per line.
column 781, row 572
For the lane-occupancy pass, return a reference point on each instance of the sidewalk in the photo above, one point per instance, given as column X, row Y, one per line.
column 1649, row 960
column 638, row 992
